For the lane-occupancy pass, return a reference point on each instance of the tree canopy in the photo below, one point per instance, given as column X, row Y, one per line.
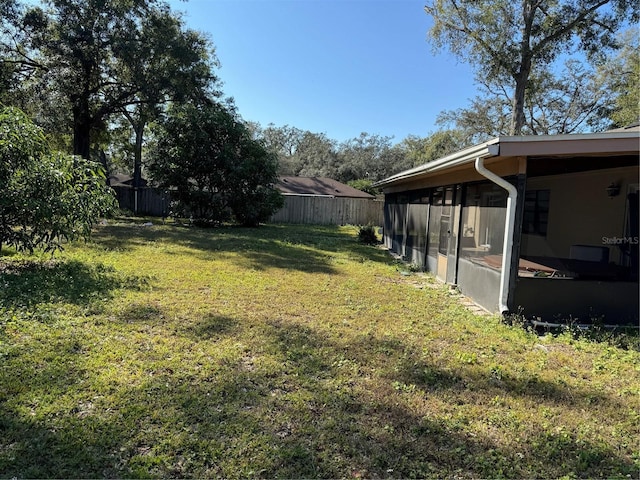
column 100, row 58
column 216, row 170
column 513, row 44
column 620, row 75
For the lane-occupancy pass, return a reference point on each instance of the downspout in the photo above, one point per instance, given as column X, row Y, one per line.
column 507, row 250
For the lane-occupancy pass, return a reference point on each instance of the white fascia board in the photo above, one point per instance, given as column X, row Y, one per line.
column 490, row 148
column 523, row 145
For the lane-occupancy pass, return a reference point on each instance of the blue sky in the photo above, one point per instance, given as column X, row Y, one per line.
column 339, row 67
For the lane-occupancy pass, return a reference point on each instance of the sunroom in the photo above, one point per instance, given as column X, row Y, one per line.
column 543, row 226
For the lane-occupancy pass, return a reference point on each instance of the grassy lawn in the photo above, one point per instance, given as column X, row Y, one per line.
column 287, row 352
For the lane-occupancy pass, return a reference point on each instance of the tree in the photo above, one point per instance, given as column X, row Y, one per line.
column 488, row 116
column 620, row 75
column 46, row 196
column 77, row 44
column 216, row 170
column 283, row 141
column 508, row 41
column 106, row 57
column 568, row 101
column 169, row 63
column 364, row 157
column 81, row 63
column 17, row 67
column 420, row 150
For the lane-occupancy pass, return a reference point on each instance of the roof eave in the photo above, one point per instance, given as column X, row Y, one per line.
column 490, row 148
column 507, row 146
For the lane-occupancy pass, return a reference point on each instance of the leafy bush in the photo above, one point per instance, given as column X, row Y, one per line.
column 45, row 197
column 257, row 207
column 364, row 185
column 367, row 234
column 216, row 170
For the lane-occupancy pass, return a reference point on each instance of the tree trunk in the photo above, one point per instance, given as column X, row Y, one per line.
column 517, row 113
column 81, row 129
column 521, row 76
column 137, row 164
column 137, row 155
column 105, row 163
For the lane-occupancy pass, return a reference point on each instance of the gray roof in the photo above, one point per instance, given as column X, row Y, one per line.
column 123, row 180
column 317, row 186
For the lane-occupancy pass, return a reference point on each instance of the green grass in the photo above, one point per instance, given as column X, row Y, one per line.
column 287, row 352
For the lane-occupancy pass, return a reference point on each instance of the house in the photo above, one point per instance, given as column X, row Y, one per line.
column 318, row 186
column 123, row 180
column 545, row 226
column 324, row 201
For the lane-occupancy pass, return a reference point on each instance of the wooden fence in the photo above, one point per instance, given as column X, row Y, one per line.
column 316, row 210
column 330, row 211
column 148, row 201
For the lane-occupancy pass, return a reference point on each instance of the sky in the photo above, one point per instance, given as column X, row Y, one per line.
column 338, row 67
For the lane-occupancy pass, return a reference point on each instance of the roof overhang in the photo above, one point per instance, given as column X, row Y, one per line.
column 509, row 147
column 468, row 155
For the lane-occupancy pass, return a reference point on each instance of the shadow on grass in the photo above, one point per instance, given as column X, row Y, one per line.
column 28, row 283
column 309, row 248
column 298, row 407
column 74, row 448
column 372, row 433
column 212, row 326
column 412, row 372
column 141, row 312
column 38, row 442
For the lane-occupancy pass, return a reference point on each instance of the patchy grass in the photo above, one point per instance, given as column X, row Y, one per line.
column 287, row 352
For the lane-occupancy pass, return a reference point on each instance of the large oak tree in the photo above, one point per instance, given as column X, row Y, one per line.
column 509, row 41
column 167, row 63
column 102, row 58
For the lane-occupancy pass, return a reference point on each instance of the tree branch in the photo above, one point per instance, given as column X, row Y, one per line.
column 568, row 27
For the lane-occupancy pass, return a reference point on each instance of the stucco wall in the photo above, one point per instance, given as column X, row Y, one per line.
column 580, row 212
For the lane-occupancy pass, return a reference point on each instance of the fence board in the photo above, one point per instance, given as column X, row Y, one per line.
column 151, row 201
column 330, row 211
column 297, row 209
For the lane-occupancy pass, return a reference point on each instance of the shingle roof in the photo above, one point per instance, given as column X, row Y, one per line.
column 633, row 127
column 123, row 180
column 290, row 185
column 120, row 179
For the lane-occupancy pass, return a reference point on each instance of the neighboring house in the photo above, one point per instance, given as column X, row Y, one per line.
column 123, row 180
column 324, row 201
column 318, row 186
column 545, row 226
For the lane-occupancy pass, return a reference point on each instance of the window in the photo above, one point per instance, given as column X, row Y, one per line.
column 536, row 212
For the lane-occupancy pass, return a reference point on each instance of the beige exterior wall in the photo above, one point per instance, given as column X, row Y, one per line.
column 580, row 212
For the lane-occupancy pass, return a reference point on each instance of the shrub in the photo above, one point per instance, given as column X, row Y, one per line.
column 216, row 170
column 46, row 197
column 367, row 234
